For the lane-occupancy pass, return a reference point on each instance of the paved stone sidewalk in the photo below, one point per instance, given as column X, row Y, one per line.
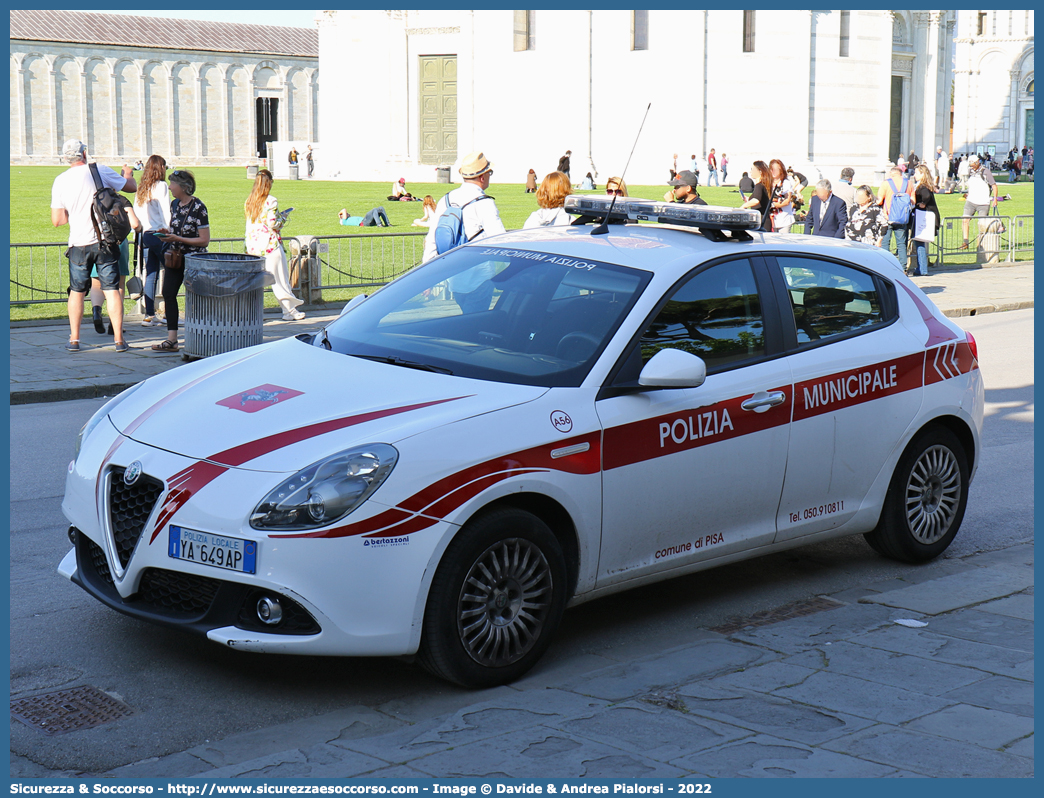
column 846, row 691
column 42, row 371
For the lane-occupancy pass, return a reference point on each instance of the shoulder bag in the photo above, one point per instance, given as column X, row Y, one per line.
column 174, row 259
column 135, row 287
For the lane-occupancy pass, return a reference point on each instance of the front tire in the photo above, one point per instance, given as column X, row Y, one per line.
column 495, row 601
column 926, row 499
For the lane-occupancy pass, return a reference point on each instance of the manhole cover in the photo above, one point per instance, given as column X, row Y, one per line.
column 69, row 710
column 784, row 613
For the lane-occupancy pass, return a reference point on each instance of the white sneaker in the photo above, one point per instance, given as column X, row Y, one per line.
column 294, row 315
column 153, row 321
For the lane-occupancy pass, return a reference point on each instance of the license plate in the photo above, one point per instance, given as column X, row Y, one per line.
column 207, row 548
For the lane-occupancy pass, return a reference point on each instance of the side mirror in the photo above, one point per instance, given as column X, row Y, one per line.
column 355, row 300
column 673, row 368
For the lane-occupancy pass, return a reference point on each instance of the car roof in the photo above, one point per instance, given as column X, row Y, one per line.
column 668, row 248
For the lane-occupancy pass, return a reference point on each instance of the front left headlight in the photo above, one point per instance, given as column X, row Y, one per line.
column 326, row 491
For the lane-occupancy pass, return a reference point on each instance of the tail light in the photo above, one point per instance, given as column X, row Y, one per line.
column 972, row 345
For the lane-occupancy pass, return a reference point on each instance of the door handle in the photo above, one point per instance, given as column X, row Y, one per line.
column 763, row 400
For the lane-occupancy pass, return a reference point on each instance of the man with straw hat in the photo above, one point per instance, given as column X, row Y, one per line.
column 481, row 219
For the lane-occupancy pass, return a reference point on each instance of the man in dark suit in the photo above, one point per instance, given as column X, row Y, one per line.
column 827, row 214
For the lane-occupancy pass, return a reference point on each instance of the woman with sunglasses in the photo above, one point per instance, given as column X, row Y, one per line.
column 152, row 207
column 189, row 233
column 616, row 185
column 263, row 223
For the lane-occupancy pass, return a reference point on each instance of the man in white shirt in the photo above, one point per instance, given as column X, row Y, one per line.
column 71, row 199
column 982, row 194
column 472, row 289
column 942, row 167
column 399, row 192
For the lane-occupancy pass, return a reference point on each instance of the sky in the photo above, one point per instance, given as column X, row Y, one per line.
column 293, row 19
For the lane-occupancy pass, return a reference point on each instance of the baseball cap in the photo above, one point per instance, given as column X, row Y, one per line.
column 73, row 150
column 683, row 178
column 973, row 160
column 402, row 180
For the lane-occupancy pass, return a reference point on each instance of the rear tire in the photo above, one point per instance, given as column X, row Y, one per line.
column 926, row 499
column 495, row 601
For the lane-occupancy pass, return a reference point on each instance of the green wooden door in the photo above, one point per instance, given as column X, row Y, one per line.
column 438, row 109
column 895, row 127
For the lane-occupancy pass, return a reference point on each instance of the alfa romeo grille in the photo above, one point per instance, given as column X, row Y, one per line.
column 101, row 565
column 129, row 508
column 178, row 594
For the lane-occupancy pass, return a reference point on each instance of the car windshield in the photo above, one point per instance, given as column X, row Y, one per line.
column 505, row 315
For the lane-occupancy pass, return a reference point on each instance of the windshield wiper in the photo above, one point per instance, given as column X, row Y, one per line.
column 398, row 361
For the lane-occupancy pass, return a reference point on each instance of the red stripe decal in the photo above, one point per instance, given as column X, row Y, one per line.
column 949, row 361
column 686, row 429
column 246, row 452
column 181, row 487
column 443, row 497
column 141, row 419
column 191, row 480
column 374, row 523
column 415, row 524
column 848, row 388
column 452, row 501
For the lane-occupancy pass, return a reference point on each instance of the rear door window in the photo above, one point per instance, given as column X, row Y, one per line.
column 830, row 300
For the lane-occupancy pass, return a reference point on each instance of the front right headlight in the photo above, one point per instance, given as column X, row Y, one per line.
column 326, row 491
column 96, row 419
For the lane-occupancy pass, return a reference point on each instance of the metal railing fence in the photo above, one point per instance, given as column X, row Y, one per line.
column 991, row 239
column 39, row 273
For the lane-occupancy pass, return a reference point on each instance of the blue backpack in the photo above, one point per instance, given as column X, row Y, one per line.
column 900, row 205
column 449, row 232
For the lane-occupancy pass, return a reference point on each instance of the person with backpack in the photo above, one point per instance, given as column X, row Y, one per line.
column 75, row 195
column 981, row 195
column 466, row 214
column 896, row 197
column 474, row 213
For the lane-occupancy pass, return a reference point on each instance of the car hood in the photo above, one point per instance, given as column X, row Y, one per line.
column 278, row 406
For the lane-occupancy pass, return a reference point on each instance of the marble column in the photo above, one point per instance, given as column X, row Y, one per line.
column 174, row 145
column 146, row 146
column 117, row 111
column 53, row 129
column 22, row 148
column 199, row 115
column 85, row 128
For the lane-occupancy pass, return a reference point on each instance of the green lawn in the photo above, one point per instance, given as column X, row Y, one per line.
column 315, row 203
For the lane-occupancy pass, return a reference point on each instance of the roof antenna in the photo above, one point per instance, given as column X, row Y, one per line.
column 603, row 228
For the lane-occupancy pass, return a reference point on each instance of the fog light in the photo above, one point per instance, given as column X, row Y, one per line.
column 269, row 611
column 73, row 531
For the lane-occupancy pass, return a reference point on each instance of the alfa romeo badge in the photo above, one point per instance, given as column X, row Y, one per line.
column 130, row 476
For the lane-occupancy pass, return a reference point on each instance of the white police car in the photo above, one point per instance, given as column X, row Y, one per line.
column 528, row 422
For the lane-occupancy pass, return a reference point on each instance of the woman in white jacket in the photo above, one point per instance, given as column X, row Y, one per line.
column 263, row 223
column 550, row 197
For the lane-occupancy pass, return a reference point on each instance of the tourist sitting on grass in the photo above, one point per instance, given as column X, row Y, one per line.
column 373, row 218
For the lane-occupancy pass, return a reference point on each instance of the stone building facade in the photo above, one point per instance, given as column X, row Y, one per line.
column 200, row 93
column 993, row 82
column 819, row 89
